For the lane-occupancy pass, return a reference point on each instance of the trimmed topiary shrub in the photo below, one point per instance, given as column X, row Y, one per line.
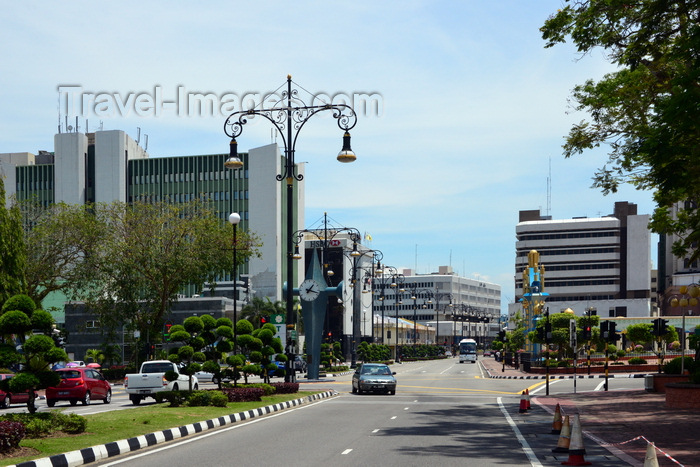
column 11, row 433
column 219, row 399
column 637, row 361
column 285, row 388
column 674, row 366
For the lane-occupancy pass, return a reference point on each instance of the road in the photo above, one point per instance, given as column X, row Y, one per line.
column 444, row 413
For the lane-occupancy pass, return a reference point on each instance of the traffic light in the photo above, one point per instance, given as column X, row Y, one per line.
column 166, row 331
column 612, row 333
column 604, row 330
column 587, row 333
column 264, row 320
column 502, row 336
column 659, row 328
column 541, row 333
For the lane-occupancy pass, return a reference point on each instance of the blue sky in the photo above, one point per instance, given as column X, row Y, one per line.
column 474, row 108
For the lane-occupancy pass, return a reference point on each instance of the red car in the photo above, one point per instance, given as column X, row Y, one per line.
column 79, row 384
column 7, row 398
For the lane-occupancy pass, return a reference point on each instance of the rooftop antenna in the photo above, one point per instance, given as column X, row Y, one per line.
column 138, row 134
column 145, row 148
column 549, row 188
column 77, row 127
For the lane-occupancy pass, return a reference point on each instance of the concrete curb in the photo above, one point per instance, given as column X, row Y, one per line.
column 116, row 448
column 566, row 376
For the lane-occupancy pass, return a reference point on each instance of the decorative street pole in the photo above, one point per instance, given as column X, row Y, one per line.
column 289, row 115
column 234, row 218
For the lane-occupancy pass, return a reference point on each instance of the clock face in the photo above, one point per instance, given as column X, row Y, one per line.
column 309, row 290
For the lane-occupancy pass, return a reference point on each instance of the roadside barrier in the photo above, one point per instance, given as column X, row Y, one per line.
column 650, row 458
column 523, row 403
column 527, row 398
column 564, row 437
column 557, row 422
column 576, row 449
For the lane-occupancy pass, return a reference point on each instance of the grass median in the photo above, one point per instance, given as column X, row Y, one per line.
column 122, row 424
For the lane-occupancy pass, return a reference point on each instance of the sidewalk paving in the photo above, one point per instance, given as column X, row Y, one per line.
column 614, row 418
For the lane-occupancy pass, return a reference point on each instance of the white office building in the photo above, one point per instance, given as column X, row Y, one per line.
column 601, row 264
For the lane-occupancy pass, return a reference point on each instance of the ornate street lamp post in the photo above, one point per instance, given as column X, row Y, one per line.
column 289, row 115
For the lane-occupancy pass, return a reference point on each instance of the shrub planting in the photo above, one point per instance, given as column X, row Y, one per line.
column 11, row 433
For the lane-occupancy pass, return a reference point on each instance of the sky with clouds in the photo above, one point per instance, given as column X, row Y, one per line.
column 473, row 108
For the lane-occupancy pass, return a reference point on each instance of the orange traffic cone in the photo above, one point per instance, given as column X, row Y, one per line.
column 523, row 403
column 576, row 449
column 564, row 437
column 650, row 458
column 556, row 424
column 527, row 398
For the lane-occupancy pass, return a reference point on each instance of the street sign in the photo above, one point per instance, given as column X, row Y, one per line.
column 572, row 333
column 279, row 322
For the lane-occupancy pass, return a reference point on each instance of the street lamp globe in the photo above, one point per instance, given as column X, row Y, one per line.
column 234, row 218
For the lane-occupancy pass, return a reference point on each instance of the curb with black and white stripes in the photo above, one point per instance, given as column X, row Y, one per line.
column 116, row 448
column 615, row 375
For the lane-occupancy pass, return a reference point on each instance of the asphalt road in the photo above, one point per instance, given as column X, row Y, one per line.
column 444, row 413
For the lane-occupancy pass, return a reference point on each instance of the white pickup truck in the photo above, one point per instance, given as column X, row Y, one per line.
column 151, row 379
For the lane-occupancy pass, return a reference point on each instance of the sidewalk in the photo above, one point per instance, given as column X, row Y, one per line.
column 614, row 418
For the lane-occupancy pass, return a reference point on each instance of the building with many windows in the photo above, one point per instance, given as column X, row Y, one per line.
column 107, row 166
column 456, row 307
column 600, row 265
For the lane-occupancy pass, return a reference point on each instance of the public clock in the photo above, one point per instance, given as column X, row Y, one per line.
column 309, row 290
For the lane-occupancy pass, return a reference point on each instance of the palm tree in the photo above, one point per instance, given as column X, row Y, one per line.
column 257, row 309
column 95, row 355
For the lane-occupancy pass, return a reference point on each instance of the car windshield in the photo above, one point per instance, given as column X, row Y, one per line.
column 376, row 370
column 69, row 374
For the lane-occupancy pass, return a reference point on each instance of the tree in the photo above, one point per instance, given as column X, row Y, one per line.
column 38, row 351
column 151, row 253
column 12, row 251
column 648, row 110
column 60, row 243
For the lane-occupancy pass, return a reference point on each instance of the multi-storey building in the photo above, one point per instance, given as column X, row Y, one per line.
column 456, row 307
column 107, row 166
column 591, row 264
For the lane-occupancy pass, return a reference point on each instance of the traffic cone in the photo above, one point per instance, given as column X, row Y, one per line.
column 556, row 424
column 527, row 398
column 564, row 437
column 523, row 403
column 650, row 458
column 576, row 449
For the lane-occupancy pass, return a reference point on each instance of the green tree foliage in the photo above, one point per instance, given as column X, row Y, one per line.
column 61, row 242
column 647, row 111
column 148, row 254
column 38, row 352
column 12, row 251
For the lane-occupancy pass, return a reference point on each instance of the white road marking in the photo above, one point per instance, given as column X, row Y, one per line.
column 534, row 461
column 347, row 451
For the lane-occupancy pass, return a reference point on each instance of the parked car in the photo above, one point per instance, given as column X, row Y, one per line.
column 205, row 376
column 300, row 363
column 373, row 377
column 79, row 384
column 7, row 398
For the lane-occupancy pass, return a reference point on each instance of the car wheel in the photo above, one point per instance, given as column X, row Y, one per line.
column 176, row 387
column 50, row 402
column 136, row 400
column 392, row 392
column 86, row 399
column 108, row 397
column 354, row 390
column 6, row 401
column 215, row 380
column 196, row 387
